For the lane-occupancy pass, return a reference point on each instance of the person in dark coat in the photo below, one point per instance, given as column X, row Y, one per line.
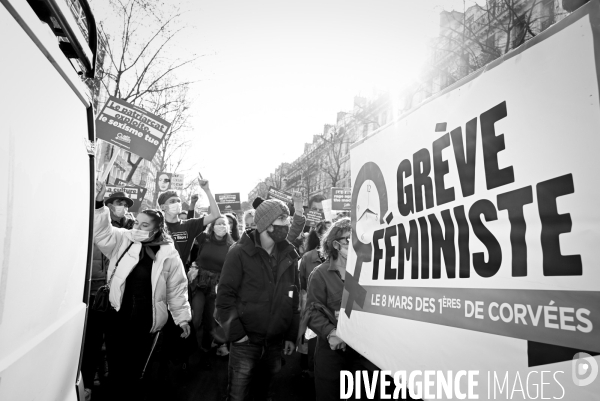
column 258, row 302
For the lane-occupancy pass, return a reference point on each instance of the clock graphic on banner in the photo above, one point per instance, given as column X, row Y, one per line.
column 368, row 211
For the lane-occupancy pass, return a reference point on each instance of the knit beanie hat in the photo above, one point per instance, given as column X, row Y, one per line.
column 267, row 212
column 165, row 196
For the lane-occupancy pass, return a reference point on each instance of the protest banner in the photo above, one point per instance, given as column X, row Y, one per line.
column 341, row 198
column 229, row 202
column 275, row 193
column 313, row 217
column 475, row 225
column 130, row 127
column 169, row 181
column 137, row 201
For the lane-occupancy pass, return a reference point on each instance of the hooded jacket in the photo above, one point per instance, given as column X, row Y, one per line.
column 250, row 301
column 99, row 261
column 169, row 282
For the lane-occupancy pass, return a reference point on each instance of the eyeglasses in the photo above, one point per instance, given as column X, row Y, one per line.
column 343, row 238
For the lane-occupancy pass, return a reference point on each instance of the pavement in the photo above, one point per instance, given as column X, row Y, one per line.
column 198, row 382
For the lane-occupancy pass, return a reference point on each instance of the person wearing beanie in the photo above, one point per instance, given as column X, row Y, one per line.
column 257, row 298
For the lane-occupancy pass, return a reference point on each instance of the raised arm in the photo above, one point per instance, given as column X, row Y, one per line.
column 299, row 220
column 106, row 237
column 215, row 213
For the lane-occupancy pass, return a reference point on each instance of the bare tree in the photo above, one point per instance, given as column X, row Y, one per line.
column 336, row 150
column 141, row 70
column 483, row 33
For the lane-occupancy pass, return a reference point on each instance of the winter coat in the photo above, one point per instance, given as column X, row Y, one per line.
column 250, row 302
column 310, row 260
column 325, row 287
column 169, row 282
column 99, row 261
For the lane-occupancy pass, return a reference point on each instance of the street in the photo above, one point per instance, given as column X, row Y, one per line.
column 210, row 384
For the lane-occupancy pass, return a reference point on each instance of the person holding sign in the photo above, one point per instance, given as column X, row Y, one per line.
column 118, row 204
column 324, row 300
column 146, row 276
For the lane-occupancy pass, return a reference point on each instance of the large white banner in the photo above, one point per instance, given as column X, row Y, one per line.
column 476, row 241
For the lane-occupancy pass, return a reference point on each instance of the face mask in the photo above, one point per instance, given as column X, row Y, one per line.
column 343, row 253
column 119, row 211
column 279, row 233
column 174, row 208
column 221, row 230
column 138, row 235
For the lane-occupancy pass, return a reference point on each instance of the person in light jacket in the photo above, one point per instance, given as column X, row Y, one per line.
column 146, row 276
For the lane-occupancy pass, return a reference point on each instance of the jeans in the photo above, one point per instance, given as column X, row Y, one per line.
column 203, row 306
column 251, row 367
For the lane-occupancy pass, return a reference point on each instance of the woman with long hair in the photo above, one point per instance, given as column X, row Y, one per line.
column 145, row 276
column 233, row 226
column 324, row 300
column 204, row 276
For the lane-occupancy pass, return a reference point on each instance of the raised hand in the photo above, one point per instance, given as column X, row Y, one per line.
column 100, row 190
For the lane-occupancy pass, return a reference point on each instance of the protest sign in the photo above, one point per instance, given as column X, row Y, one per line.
column 169, row 181
column 130, row 127
column 341, row 198
column 284, row 196
column 228, row 202
column 137, row 201
column 475, row 245
column 313, row 217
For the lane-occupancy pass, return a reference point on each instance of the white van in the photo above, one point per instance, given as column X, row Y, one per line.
column 46, row 191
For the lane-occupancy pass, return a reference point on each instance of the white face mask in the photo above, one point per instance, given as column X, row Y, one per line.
column 174, row 208
column 119, row 211
column 221, row 230
column 138, row 235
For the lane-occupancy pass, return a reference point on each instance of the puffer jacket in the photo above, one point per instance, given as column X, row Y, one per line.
column 100, row 262
column 169, row 282
column 250, row 301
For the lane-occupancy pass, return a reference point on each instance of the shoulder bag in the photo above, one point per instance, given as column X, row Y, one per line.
column 101, row 302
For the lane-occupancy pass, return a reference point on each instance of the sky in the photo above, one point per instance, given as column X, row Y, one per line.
column 274, row 72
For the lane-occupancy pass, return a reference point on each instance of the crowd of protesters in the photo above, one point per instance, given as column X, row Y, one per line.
column 182, row 288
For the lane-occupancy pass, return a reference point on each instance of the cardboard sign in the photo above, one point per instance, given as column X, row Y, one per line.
column 475, row 246
column 284, row 196
column 341, row 198
column 137, row 202
column 313, row 217
column 130, row 127
column 228, row 202
column 169, row 181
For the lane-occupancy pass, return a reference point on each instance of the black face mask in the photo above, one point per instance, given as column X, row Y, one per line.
column 279, row 233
